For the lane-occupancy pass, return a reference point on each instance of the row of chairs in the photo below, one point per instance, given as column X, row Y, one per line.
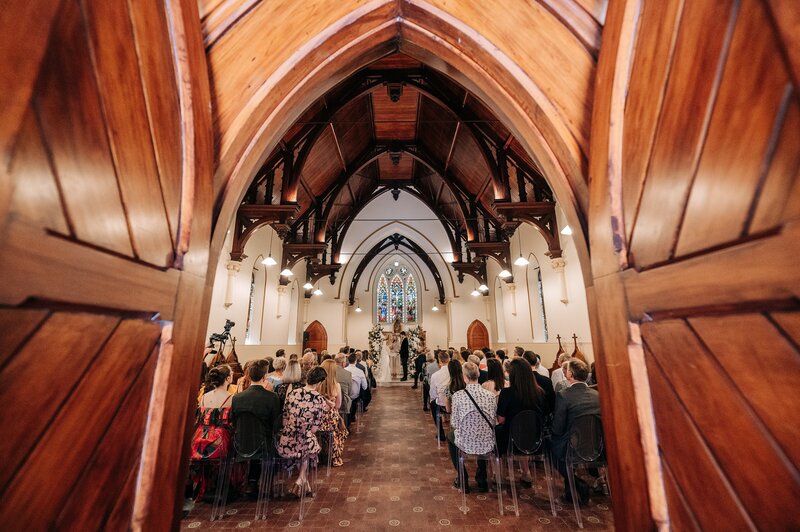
column 528, row 440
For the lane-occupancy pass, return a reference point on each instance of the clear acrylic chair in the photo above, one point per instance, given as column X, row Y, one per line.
column 526, row 442
column 585, row 449
column 263, row 452
column 223, row 467
column 359, row 414
column 326, row 442
column 484, row 433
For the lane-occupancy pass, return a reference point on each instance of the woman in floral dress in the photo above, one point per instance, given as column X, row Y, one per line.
column 333, row 423
column 303, row 414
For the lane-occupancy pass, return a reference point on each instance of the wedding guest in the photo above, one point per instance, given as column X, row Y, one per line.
column 496, row 380
column 358, row 385
column 563, row 383
column 465, row 356
column 292, row 378
column 545, row 384
column 345, row 379
column 522, row 394
column 257, row 415
column 276, row 377
column 280, row 353
column 430, row 366
column 303, row 414
column 308, row 362
column 501, row 355
column 472, row 436
column 333, row 422
column 574, row 401
column 456, row 382
column 419, row 368
column 439, row 382
column 475, row 358
column 244, row 381
column 558, row 374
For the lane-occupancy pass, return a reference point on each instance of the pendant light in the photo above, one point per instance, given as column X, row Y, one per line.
column 521, row 261
column 269, row 261
column 308, row 286
column 287, row 272
column 566, row 231
column 504, row 274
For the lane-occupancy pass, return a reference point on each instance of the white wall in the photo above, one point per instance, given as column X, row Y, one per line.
column 275, row 321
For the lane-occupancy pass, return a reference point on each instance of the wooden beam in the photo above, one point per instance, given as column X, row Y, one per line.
column 338, row 148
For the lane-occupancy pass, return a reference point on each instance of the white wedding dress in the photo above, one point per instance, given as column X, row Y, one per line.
column 384, row 365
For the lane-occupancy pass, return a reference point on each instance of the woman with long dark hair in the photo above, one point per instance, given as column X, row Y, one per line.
column 523, row 393
column 457, row 381
column 496, row 379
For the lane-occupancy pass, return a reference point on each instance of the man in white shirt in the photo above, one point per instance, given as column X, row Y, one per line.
column 558, row 373
column 358, row 384
column 439, row 382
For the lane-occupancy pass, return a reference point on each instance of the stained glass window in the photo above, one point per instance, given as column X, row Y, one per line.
column 396, row 296
column 411, row 299
column 383, row 300
column 396, row 292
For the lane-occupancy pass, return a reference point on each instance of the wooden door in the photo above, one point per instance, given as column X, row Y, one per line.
column 477, row 336
column 104, row 232
column 695, row 225
column 315, row 337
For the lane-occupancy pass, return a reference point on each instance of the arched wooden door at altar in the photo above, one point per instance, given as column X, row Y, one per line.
column 477, row 336
column 315, row 337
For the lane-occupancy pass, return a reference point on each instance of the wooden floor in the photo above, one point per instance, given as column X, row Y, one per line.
column 395, row 477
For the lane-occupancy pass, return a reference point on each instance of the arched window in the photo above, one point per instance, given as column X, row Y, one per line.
column 540, row 289
column 250, row 306
column 396, row 296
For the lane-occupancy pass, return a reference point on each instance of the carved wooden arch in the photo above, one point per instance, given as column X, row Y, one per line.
column 396, row 240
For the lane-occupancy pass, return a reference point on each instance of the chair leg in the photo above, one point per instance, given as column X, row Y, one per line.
column 330, row 453
column 548, row 478
column 513, row 485
column 499, row 482
column 575, row 501
column 264, row 483
column 438, row 430
column 221, row 491
column 462, row 482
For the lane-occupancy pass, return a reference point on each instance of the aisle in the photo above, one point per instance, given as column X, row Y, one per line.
column 394, row 476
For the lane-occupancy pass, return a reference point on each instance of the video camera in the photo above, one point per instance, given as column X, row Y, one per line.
column 222, row 337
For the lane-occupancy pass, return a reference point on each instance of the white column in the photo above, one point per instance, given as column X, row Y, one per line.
column 558, row 265
column 512, row 289
column 233, row 268
column 447, row 308
column 306, row 304
column 345, row 317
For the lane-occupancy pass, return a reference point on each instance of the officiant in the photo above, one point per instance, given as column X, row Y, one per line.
column 404, row 355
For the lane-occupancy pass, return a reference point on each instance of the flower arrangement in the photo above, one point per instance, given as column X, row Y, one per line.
column 416, row 346
column 375, row 338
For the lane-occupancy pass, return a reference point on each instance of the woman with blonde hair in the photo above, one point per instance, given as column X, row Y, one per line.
column 276, row 377
column 333, row 423
column 292, row 378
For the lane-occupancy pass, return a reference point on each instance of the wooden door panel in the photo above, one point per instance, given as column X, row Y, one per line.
column 17, row 325
column 745, row 451
column 681, row 517
column 688, row 457
column 477, row 336
column 71, row 115
column 80, row 423
column 746, row 120
column 699, row 54
column 97, row 491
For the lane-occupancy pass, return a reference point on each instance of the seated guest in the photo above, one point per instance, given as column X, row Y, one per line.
column 360, row 362
column 456, row 382
column 522, row 394
column 358, row 385
column 308, row 362
column 495, row 379
column 244, row 381
column 544, row 383
column 518, row 352
column 419, row 367
column 292, row 378
column 465, row 356
column 365, row 365
column 574, row 401
column 472, row 436
column 345, row 379
column 276, row 377
column 501, row 354
column 428, row 369
column 333, row 422
column 439, row 381
column 558, row 374
column 475, row 358
column 592, row 380
column 538, row 368
column 303, row 414
column 563, row 383
column 257, row 414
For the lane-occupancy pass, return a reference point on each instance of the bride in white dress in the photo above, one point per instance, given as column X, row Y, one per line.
column 384, row 363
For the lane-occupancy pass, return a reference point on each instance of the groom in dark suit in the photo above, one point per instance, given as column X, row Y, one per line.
column 404, row 355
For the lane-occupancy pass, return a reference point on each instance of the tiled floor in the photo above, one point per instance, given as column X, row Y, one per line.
column 395, row 477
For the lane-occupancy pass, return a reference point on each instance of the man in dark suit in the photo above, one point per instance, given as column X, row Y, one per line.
column 575, row 401
column 257, row 416
column 404, row 355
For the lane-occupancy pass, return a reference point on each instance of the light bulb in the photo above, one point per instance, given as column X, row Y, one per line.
column 475, row 293
column 504, row 274
column 358, row 309
column 483, row 288
column 566, row 231
column 308, row 286
column 269, row 261
column 317, row 292
column 521, row 261
column 287, row 272
column 396, row 264
column 435, row 308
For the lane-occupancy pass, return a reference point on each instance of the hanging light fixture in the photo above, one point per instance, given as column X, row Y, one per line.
column 308, row 286
column 358, row 309
column 435, row 308
column 358, row 306
column 483, row 288
column 269, row 261
column 504, row 274
column 287, row 272
column 566, row 231
column 475, row 293
column 317, row 292
column 521, row 261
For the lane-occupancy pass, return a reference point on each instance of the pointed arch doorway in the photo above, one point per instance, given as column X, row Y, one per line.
column 315, row 337
column 477, row 336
